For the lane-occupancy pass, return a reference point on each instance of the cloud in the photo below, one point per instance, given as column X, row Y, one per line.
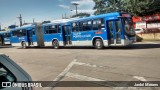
column 84, row 6
column 85, row 3
column 84, row 11
column 64, row 6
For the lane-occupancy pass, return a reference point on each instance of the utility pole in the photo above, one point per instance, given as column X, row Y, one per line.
column 33, row 20
column 20, row 19
column 76, row 5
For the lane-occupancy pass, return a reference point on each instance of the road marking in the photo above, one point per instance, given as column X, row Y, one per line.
column 82, row 77
column 88, row 64
column 64, row 72
column 86, row 78
column 139, row 78
column 61, row 75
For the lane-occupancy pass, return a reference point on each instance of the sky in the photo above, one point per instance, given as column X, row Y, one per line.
column 40, row 10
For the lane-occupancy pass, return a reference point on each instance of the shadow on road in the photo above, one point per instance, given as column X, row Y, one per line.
column 134, row 46
column 6, row 46
column 138, row 46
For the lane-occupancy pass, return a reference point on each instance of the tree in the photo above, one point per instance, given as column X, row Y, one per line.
column 114, row 6
column 99, row 6
column 81, row 15
column 134, row 7
column 154, row 7
column 137, row 7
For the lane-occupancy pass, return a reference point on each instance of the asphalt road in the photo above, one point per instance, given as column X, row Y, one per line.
column 136, row 63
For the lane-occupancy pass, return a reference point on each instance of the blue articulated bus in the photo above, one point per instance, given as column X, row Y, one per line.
column 112, row 29
column 5, row 37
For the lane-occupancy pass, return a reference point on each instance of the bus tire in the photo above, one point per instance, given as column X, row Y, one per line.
column 55, row 44
column 24, row 45
column 98, row 44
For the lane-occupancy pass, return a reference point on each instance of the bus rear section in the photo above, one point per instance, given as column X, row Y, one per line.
column 5, row 37
column 27, row 36
column 120, row 31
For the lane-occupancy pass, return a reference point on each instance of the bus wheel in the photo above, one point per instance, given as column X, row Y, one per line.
column 55, row 44
column 98, row 44
column 23, row 45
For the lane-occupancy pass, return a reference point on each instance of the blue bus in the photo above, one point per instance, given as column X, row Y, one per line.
column 112, row 29
column 5, row 37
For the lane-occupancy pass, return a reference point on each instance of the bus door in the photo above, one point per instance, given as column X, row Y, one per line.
column 29, row 37
column 67, row 34
column 114, row 32
column 1, row 40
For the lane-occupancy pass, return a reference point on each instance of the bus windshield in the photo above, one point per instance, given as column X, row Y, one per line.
column 128, row 27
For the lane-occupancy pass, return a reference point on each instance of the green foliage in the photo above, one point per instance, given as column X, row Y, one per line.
column 100, row 6
column 137, row 7
column 81, row 15
column 134, row 7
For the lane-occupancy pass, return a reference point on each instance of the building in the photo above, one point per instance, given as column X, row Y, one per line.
column 150, row 23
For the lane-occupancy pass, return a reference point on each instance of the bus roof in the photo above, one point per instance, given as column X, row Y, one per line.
column 23, row 27
column 98, row 16
column 5, row 31
column 59, row 21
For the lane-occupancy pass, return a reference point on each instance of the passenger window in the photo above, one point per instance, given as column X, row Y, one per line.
column 117, row 25
column 51, row 29
column 110, row 25
column 23, row 33
column 15, row 33
column 6, row 75
column 59, row 28
column 87, row 25
column 80, row 26
column 75, row 27
column 33, row 29
column 98, row 24
column 19, row 33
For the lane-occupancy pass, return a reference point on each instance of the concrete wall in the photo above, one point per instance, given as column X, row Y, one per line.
column 149, row 36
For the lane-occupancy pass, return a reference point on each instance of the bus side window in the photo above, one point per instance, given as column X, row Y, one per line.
column 33, row 30
column 53, row 29
column 46, row 29
column 110, row 26
column 95, row 27
column 18, row 33
column 13, row 33
column 80, row 26
column 84, row 25
column 75, row 27
column 102, row 23
column 87, row 26
column 23, row 32
column 59, row 28
column 50, row 29
column 98, row 24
